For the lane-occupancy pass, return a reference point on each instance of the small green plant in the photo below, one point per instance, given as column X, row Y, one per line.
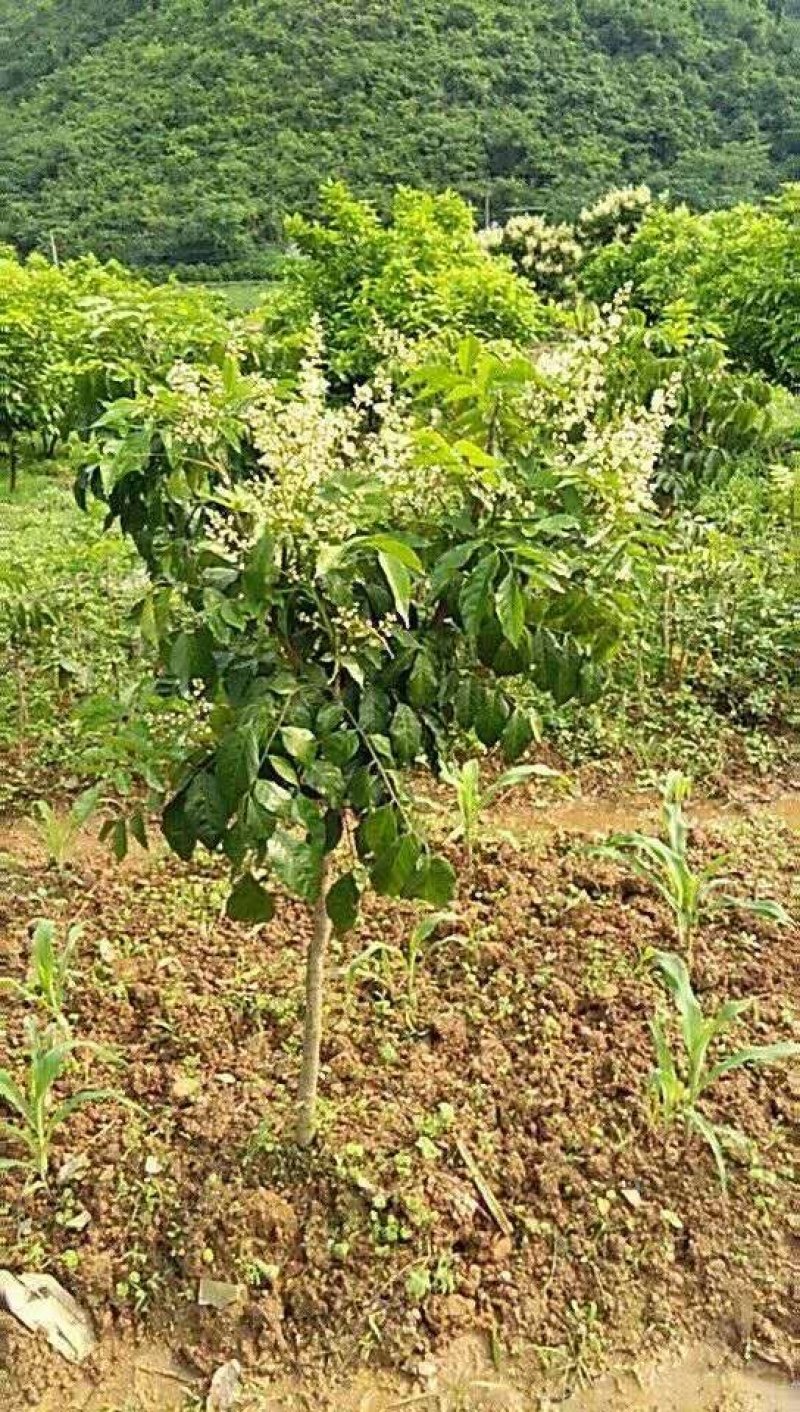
column 473, row 798
column 59, row 831
column 679, row 1082
column 665, row 865
column 38, row 1112
column 50, row 969
column 379, row 957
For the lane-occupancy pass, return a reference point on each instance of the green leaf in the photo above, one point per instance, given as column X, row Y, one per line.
column 192, row 657
column 510, row 605
column 327, row 780
column 709, row 1133
column 405, row 733
column 378, row 830
column 12, row 1094
column 271, row 796
column 343, row 902
column 297, row 864
column 236, row 766
column 491, row 717
column 396, row 549
column 394, row 867
column 434, row 881
column 399, row 581
column 474, row 598
column 342, row 747
column 769, row 910
column 757, row 1054
column 119, row 839
column 423, row 681
column 138, row 828
column 300, row 744
column 518, row 735
column 448, row 565
column 206, row 810
column 283, row 769
column 374, row 711
column 362, row 789
column 330, row 718
column 250, row 902
column 259, row 570
column 468, row 701
column 178, row 829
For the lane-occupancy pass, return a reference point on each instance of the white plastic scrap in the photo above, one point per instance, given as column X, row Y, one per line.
column 43, row 1305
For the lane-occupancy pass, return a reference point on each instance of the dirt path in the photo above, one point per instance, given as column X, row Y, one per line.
column 521, row 811
column 590, row 814
column 702, row 1378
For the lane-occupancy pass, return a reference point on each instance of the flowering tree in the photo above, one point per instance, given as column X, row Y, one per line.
column 345, row 584
column 547, row 255
column 550, row 256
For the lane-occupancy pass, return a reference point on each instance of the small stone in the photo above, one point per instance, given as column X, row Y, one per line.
column 152, row 1167
column 73, row 1169
column 226, row 1385
column 185, row 1086
column 42, row 1304
column 218, row 1294
column 632, row 1196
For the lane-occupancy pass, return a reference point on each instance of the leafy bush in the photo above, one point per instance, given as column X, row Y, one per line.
column 739, row 268
column 422, row 274
column 725, row 616
column 76, row 337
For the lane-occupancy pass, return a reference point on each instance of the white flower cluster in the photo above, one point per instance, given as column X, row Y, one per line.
column 327, row 473
column 320, row 474
column 548, row 255
column 599, row 442
column 197, row 394
column 615, row 216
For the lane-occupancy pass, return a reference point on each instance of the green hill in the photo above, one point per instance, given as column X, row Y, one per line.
column 178, row 131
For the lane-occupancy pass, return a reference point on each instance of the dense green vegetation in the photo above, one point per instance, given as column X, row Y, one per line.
column 328, row 595
column 171, row 132
column 159, row 395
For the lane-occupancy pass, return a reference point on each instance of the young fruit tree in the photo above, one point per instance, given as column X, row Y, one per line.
column 342, row 586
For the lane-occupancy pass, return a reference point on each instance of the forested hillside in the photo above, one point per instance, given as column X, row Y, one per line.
column 179, row 131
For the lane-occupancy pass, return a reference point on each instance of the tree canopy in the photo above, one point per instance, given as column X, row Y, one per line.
column 169, row 132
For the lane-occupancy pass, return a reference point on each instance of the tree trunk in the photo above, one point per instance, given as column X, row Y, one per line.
column 12, row 463
column 312, row 1026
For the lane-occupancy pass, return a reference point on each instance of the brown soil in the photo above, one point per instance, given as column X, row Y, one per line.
column 702, row 1378
column 528, row 1042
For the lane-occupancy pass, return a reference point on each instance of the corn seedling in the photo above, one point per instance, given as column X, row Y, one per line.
column 664, row 864
column 380, row 957
column 38, row 1112
column 473, row 799
column 679, row 1082
column 59, row 832
column 50, row 969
